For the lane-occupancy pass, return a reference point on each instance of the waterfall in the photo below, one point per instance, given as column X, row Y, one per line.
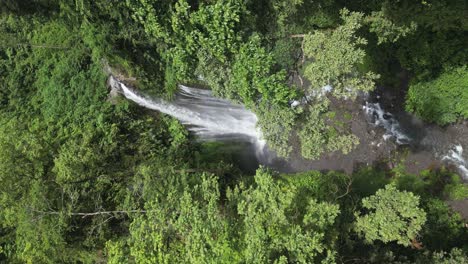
column 211, row 118
column 208, row 117
column 378, row 117
column 455, row 156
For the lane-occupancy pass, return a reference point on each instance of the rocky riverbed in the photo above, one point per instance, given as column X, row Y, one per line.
column 389, row 135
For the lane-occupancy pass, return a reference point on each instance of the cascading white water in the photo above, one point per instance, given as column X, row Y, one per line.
column 386, row 120
column 212, row 118
column 455, row 156
column 205, row 115
column 393, row 130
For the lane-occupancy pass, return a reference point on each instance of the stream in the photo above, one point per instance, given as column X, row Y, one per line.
column 381, row 133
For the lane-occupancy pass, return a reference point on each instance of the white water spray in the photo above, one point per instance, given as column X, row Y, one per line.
column 205, row 115
column 386, row 120
column 379, row 117
column 455, row 156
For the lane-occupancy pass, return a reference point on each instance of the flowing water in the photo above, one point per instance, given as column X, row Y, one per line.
column 378, row 117
column 432, row 141
column 211, row 118
column 205, row 115
column 208, row 117
column 455, row 156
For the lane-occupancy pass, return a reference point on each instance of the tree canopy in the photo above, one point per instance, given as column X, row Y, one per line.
column 86, row 179
column 393, row 216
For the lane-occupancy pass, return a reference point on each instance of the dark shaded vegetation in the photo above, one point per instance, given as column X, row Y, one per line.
column 86, row 181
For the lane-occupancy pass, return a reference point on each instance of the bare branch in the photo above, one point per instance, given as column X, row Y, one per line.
column 302, row 44
column 91, row 213
column 297, row 36
column 348, row 189
column 40, row 46
column 214, row 171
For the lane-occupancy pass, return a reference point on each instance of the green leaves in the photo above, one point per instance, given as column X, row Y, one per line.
column 391, row 215
column 318, row 134
column 455, row 256
column 79, row 175
column 146, row 13
column 272, row 232
column 443, row 100
column 65, row 149
column 253, row 77
column 386, row 29
column 212, row 29
column 276, row 124
column 183, row 223
column 334, row 56
column 219, row 23
column 187, row 222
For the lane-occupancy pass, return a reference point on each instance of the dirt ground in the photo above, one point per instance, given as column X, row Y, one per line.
column 460, row 206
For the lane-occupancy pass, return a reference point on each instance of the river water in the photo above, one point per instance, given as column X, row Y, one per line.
column 380, row 132
column 425, row 142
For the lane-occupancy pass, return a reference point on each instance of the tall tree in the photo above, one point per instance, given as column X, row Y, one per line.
column 335, row 56
column 271, row 232
column 391, row 215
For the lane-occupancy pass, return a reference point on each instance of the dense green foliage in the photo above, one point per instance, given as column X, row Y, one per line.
column 443, row 100
column 321, row 132
column 84, row 180
column 334, row 57
column 276, row 123
column 393, row 216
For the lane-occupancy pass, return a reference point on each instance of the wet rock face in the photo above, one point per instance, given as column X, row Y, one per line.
column 114, row 90
column 116, row 77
